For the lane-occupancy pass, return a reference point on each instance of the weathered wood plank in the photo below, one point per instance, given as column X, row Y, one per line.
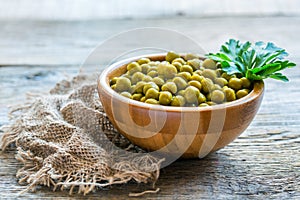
column 264, row 162
column 59, row 42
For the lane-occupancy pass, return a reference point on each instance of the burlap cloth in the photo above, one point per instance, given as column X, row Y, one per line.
column 65, row 140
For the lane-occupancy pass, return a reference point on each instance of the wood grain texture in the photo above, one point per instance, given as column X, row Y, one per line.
column 60, row 42
column 263, row 163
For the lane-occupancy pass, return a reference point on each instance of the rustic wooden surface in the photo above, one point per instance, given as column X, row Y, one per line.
column 264, row 162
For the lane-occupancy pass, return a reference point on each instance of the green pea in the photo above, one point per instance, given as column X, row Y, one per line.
column 191, row 56
column 198, row 71
column 136, row 77
column 201, row 98
column 133, row 67
column 229, row 94
column 143, row 99
column 180, row 82
column 209, row 64
column 241, row 93
column 186, row 68
column 203, row 105
column 178, row 65
column 181, row 92
column 153, row 74
column 151, row 101
column 219, row 71
column 152, row 68
column 208, row 97
column 113, row 87
column 165, row 97
column 113, row 80
column 147, row 78
column 126, row 94
column 153, row 63
column 196, row 84
column 209, row 73
column 180, row 60
column 158, row 81
column 132, row 89
column 169, row 86
column 235, row 83
column 137, row 97
column 145, row 68
column 196, row 77
column 217, row 96
column 126, row 76
column 150, row 85
column 245, row 82
column 217, row 87
column 207, row 85
column 221, row 81
column 191, row 94
column 226, row 76
column 186, row 75
column 166, row 70
column 178, row 101
column 152, row 94
column 171, row 71
column 171, row 55
column 143, row 61
column 139, row 87
column 123, row 84
column 194, row 63
column 210, row 103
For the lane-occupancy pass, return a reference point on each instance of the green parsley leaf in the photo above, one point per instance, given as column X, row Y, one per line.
column 255, row 62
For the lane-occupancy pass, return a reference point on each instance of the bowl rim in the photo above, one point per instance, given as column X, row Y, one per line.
column 102, row 82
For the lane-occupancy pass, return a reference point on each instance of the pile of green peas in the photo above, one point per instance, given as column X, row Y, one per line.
column 180, row 81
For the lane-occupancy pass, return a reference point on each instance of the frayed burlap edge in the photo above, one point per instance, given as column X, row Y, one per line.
column 38, row 170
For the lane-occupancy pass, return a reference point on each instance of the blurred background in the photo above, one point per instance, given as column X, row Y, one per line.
column 119, row 9
column 66, row 31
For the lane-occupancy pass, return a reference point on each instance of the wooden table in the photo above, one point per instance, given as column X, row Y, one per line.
column 264, row 162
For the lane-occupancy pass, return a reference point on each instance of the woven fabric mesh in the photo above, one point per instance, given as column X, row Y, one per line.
column 65, row 140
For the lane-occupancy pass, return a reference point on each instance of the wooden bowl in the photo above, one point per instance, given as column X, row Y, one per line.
column 187, row 132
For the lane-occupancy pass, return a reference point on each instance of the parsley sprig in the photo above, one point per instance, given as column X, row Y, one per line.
column 255, row 62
